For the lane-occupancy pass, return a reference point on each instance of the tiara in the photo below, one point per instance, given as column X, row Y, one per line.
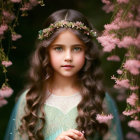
column 65, row 24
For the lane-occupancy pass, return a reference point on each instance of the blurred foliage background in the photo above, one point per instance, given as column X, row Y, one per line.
column 29, row 26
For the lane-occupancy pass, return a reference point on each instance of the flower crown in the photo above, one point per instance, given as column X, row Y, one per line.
column 65, row 24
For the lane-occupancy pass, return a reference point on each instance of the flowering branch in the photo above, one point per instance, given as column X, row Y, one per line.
column 9, row 16
column 124, row 33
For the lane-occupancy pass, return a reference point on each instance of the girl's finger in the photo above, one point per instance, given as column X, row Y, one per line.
column 72, row 135
column 76, row 132
column 67, row 138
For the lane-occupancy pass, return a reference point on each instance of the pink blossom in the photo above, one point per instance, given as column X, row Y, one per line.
column 106, row 1
column 113, row 77
column 126, row 42
column 132, row 136
column 16, row 36
column 122, row 1
column 6, row 91
column 117, row 87
column 8, row 16
column 108, row 8
column 130, row 112
column 6, row 63
column 134, row 87
column 26, row 6
column 119, row 71
column 130, row 15
column 134, row 124
column 2, row 102
column 16, row 1
column 125, row 24
column 101, row 118
column 130, row 23
column 108, row 42
column 123, row 83
column 111, row 26
column 132, row 66
column 117, row 19
column 132, row 99
column 113, row 58
column 3, row 28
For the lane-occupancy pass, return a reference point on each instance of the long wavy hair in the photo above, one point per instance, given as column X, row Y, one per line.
column 90, row 79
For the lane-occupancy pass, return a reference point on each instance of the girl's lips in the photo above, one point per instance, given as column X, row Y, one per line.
column 67, row 66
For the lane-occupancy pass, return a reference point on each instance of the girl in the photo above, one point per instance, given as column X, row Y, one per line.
column 65, row 92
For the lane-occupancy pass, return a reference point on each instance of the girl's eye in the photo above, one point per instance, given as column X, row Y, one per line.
column 77, row 49
column 58, row 49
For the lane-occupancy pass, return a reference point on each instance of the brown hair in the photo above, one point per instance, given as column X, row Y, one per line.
column 90, row 77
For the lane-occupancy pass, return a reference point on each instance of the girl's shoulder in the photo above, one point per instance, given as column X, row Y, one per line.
column 22, row 98
column 23, row 93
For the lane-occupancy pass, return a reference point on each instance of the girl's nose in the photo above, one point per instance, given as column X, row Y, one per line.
column 68, row 56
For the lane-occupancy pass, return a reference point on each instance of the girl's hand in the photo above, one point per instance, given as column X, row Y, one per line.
column 71, row 134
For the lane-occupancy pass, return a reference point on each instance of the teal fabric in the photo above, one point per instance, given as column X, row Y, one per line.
column 57, row 121
column 11, row 128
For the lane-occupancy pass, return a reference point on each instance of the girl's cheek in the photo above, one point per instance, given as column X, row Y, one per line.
column 81, row 59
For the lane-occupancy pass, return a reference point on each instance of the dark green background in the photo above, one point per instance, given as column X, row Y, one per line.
column 28, row 28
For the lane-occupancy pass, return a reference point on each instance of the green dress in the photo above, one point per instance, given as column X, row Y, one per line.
column 57, row 121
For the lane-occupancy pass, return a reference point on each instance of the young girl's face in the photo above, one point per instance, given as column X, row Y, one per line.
column 67, row 54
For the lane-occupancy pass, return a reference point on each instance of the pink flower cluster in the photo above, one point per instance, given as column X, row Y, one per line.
column 131, row 112
column 119, row 71
column 128, row 41
column 122, row 83
column 2, row 102
column 3, row 28
column 118, row 24
column 132, row 66
column 132, row 99
column 26, row 6
column 134, row 87
column 135, row 124
column 106, row 1
column 101, row 118
column 8, row 16
column 113, row 58
column 111, row 26
column 6, row 91
column 16, row 36
column 122, row 1
column 108, row 7
column 109, row 42
column 113, row 77
column 6, row 63
column 29, row 5
column 124, row 21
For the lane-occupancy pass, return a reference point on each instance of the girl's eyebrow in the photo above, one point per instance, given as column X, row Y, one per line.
column 72, row 45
